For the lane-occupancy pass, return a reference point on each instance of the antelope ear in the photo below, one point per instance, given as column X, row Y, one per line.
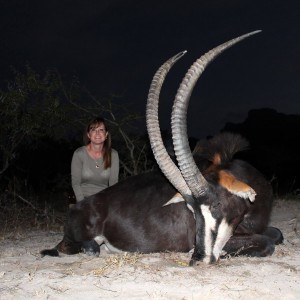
column 235, row 186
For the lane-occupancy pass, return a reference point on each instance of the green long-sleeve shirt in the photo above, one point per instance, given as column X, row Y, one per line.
column 88, row 175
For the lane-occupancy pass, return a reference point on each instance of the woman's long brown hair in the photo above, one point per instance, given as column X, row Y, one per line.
column 94, row 123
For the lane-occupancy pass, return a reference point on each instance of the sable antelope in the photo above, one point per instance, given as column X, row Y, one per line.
column 207, row 201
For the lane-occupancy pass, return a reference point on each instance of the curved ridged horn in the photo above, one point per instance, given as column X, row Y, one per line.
column 189, row 170
column 161, row 155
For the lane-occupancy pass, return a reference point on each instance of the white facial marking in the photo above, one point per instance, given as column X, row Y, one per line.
column 223, row 235
column 210, row 226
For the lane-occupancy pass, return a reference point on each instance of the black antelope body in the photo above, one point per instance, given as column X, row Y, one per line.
column 207, row 201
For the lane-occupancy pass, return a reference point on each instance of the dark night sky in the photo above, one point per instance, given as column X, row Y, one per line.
column 115, row 46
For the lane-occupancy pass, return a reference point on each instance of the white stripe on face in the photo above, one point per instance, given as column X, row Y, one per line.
column 213, row 248
column 223, row 235
column 210, row 227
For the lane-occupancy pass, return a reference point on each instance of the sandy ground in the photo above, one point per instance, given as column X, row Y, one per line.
column 25, row 275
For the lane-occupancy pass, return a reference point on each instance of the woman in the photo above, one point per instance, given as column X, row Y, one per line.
column 95, row 166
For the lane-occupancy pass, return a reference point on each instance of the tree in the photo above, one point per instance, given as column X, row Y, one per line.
column 30, row 108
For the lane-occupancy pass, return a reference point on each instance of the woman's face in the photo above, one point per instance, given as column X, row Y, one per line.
column 97, row 134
